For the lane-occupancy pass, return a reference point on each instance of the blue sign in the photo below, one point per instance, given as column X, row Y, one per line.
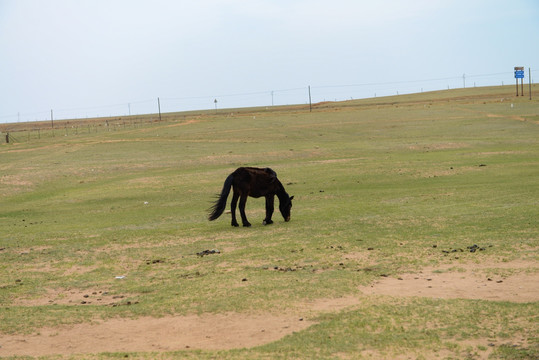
column 519, row 74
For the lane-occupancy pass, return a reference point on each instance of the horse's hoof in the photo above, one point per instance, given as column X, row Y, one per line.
column 236, row 225
column 246, row 225
column 267, row 222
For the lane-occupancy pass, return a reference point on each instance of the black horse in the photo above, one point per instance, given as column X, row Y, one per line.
column 255, row 182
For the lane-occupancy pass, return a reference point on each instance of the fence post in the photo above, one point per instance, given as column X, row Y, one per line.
column 7, row 138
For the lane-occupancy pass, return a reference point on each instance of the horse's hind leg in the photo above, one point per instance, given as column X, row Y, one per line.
column 233, row 204
column 243, row 201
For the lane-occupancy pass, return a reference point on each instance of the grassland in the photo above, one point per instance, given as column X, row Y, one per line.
column 382, row 187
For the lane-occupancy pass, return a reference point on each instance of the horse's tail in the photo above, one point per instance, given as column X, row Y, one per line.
column 220, row 205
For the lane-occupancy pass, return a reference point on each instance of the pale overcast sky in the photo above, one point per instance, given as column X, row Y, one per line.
column 111, row 57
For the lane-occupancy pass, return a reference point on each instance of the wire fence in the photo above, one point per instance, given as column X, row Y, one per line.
column 71, row 128
column 299, row 95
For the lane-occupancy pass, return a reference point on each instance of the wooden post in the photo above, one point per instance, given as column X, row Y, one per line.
column 7, row 138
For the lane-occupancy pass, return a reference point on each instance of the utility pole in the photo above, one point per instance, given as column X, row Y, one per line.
column 464, row 80
column 310, row 103
column 159, row 107
column 52, row 120
column 530, row 81
column 271, row 97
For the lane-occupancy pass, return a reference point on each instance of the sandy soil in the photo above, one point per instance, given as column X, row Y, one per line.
column 471, row 281
column 212, row 332
column 517, row 282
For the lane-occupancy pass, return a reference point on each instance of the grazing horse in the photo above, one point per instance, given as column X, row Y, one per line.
column 254, row 182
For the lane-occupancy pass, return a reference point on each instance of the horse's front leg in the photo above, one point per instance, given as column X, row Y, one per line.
column 243, row 201
column 269, row 209
column 233, row 204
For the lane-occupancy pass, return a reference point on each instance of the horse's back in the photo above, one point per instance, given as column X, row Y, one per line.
column 256, row 172
column 255, row 181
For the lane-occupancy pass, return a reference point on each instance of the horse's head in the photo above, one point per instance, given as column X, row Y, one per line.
column 285, row 207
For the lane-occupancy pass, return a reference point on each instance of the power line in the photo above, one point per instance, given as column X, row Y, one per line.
column 269, row 93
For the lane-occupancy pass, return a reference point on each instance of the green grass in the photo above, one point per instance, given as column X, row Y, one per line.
column 397, row 175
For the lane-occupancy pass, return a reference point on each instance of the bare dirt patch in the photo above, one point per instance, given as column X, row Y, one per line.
column 75, row 297
column 469, row 281
column 516, row 281
column 209, row 331
column 438, row 146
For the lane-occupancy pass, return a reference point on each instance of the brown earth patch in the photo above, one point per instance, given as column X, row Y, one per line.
column 15, row 180
column 438, row 146
column 14, row 149
column 336, row 161
column 209, row 331
column 516, row 281
column 465, row 281
column 79, row 269
column 75, row 297
column 511, row 152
